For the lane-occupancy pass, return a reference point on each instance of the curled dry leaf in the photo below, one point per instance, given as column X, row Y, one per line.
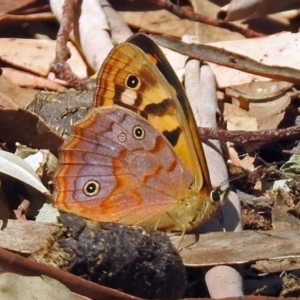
column 238, row 119
column 43, row 162
column 16, row 167
column 258, row 91
column 242, row 9
column 264, row 102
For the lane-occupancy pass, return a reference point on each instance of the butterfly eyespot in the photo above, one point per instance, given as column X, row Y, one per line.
column 133, row 82
column 138, row 132
column 91, row 188
column 122, row 137
column 215, row 196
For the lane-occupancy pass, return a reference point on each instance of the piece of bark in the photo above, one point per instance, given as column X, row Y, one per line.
column 60, row 111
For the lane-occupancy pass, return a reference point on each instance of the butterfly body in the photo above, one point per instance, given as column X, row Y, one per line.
column 136, row 158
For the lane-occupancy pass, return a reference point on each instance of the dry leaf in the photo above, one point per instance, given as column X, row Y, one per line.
column 48, row 213
column 25, row 79
column 264, row 101
column 246, row 9
column 151, row 19
column 7, row 7
column 238, row 119
column 5, row 102
column 18, row 287
column 41, row 53
column 17, row 96
column 245, row 161
column 207, row 33
column 279, row 49
column 16, row 167
column 258, row 91
column 43, row 162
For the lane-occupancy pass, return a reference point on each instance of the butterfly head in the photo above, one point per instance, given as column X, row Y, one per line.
column 217, row 195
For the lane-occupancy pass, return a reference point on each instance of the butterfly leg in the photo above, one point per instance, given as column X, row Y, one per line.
column 157, row 223
column 183, row 230
column 197, row 237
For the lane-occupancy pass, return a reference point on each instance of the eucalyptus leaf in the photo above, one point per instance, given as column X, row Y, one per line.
column 16, row 167
column 292, row 166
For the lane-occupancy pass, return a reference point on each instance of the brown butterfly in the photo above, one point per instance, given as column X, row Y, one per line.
column 137, row 157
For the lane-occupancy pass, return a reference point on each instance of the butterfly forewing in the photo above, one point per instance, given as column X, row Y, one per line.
column 156, row 55
column 154, row 99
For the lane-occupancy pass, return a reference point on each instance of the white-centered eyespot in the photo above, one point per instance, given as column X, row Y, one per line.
column 138, row 132
column 91, row 188
column 132, row 82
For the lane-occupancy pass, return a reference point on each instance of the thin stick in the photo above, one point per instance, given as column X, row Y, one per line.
column 15, row 263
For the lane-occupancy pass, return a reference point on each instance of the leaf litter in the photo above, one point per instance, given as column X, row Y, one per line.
column 256, row 98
